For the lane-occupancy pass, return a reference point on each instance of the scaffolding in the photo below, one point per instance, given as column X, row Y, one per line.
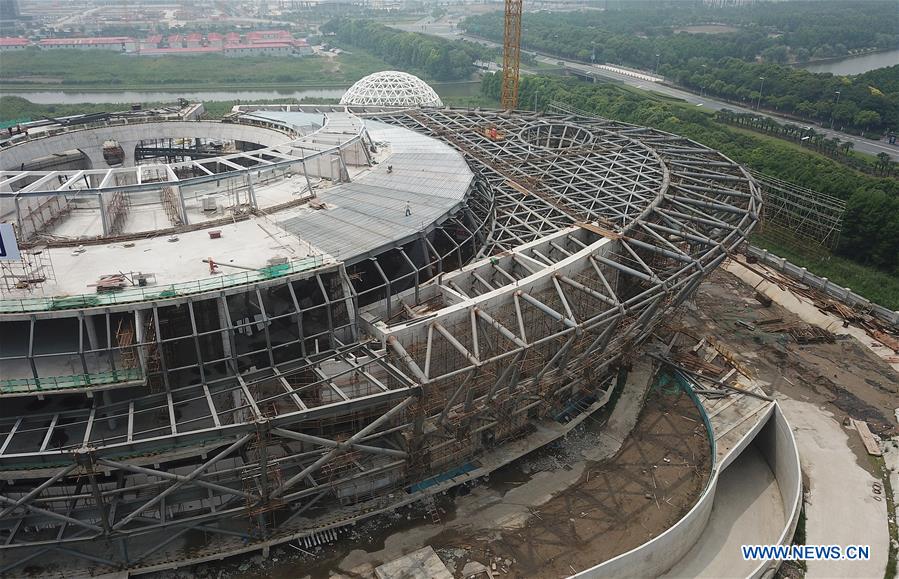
column 117, row 212
column 150, row 344
column 260, row 476
column 43, row 216
column 32, row 270
column 125, row 341
column 171, row 206
column 799, row 215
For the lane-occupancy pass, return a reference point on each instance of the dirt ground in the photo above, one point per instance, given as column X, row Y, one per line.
column 617, row 505
column 845, row 375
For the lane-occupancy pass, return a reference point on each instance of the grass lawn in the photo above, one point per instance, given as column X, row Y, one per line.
column 876, row 285
column 75, row 69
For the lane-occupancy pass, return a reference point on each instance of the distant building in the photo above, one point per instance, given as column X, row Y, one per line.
column 301, row 47
column 150, row 42
column 119, row 43
column 193, row 40
column 176, row 41
column 266, row 36
column 259, row 49
column 181, row 51
column 215, row 39
column 10, row 44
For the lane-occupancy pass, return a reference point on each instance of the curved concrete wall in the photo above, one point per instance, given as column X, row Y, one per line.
column 658, row 555
column 91, row 140
column 779, row 449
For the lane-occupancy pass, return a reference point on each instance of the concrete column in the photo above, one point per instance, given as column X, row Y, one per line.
column 22, row 231
column 139, row 317
column 308, row 182
column 103, row 217
column 251, row 194
column 225, row 322
column 111, row 422
column 91, row 332
column 184, row 218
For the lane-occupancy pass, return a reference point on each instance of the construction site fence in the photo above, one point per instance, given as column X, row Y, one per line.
column 159, row 292
column 824, row 285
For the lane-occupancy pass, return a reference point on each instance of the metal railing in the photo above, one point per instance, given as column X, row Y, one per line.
column 158, row 292
column 20, row 385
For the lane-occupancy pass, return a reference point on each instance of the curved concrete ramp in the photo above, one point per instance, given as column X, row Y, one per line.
column 748, row 509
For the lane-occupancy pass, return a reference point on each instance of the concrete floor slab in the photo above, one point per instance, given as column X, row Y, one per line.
column 421, row 564
column 748, row 510
column 840, row 508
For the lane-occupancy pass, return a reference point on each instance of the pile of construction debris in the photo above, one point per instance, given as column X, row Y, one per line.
column 886, row 334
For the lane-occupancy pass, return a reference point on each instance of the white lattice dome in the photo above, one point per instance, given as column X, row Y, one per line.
column 391, row 88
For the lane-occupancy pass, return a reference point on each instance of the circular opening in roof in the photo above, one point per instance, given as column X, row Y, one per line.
column 556, row 136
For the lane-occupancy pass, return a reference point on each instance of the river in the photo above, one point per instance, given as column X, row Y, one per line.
column 68, row 97
column 856, row 64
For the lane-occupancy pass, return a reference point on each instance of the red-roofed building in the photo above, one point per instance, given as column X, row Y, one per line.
column 232, row 38
column 300, row 46
column 180, row 51
column 265, row 36
column 259, row 49
column 121, row 43
column 8, row 43
column 152, row 41
column 193, row 40
column 215, row 39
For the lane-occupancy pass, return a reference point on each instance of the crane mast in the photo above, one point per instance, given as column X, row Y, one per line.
column 511, row 53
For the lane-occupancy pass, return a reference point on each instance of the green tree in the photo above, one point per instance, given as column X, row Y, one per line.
column 871, row 229
column 866, row 118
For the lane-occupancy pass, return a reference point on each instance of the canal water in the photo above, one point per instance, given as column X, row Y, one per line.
column 856, row 64
column 55, row 97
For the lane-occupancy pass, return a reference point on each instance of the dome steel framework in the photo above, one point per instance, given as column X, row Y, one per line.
column 279, row 408
column 391, row 88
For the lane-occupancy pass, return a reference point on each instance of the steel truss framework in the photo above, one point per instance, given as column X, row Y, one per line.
column 393, row 89
column 589, row 231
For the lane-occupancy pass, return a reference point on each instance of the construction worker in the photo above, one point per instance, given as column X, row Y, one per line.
column 408, row 209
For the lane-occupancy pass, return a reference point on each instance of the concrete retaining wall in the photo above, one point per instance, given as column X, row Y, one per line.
column 655, row 557
column 843, row 294
column 779, row 449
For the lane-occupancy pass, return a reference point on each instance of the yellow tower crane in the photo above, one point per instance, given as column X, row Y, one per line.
column 511, row 53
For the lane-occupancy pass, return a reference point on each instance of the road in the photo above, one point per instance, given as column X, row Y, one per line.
column 447, row 29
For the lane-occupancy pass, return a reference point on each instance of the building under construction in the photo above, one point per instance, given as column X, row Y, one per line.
column 267, row 328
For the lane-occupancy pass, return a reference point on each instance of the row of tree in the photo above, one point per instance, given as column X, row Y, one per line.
column 870, row 233
column 744, row 63
column 806, row 136
column 853, row 102
column 432, row 57
column 637, row 31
